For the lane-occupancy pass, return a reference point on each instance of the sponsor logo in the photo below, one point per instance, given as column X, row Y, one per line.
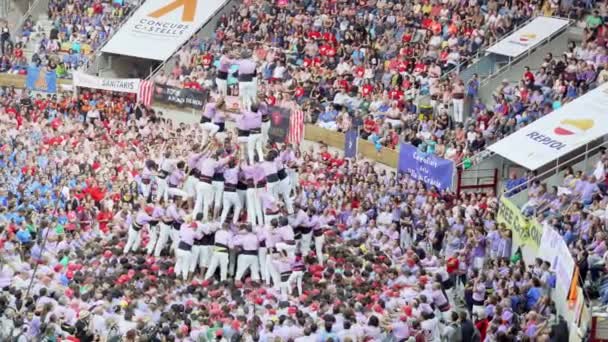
column 573, row 126
column 189, row 8
column 524, row 38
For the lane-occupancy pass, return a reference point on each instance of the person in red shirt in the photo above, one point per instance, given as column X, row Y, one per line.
column 370, row 126
column 104, row 217
column 191, row 84
column 528, row 77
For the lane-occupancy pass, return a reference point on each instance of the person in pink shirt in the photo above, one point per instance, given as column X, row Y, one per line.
column 248, row 259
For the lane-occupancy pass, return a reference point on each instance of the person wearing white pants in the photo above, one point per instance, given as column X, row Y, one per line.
column 248, row 255
column 163, row 236
column 230, row 196
column 223, row 242
column 217, row 184
column 297, row 274
column 458, row 101
column 300, row 227
column 246, row 76
column 283, row 189
column 146, row 179
column 134, row 234
column 221, row 79
column 283, row 265
column 204, row 188
column 210, row 119
column 165, row 168
column 285, row 237
column 153, row 229
column 319, row 238
column 270, row 206
column 254, row 144
column 188, row 232
column 271, row 170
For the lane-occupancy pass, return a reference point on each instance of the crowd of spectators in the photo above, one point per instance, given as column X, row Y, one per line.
column 402, row 260
column 385, row 68
column 78, row 29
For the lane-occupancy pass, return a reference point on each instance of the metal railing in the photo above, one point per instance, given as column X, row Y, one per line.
column 482, row 50
column 560, row 166
column 30, row 7
column 489, row 175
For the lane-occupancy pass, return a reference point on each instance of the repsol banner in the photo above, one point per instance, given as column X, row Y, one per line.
column 525, row 232
column 184, row 98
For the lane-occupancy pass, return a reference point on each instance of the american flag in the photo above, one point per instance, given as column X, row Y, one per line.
column 296, row 123
column 146, row 92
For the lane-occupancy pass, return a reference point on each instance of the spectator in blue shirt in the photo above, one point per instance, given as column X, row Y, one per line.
column 534, row 294
column 514, row 184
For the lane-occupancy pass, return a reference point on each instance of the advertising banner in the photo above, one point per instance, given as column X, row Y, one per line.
column 525, row 232
column 123, row 85
column 528, row 36
column 351, row 138
column 565, row 129
column 184, row 98
column 430, row 169
column 41, row 80
column 160, row 27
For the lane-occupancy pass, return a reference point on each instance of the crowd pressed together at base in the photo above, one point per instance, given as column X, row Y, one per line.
column 91, row 247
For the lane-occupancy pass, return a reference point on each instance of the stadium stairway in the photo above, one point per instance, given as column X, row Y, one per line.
column 514, row 72
column 43, row 25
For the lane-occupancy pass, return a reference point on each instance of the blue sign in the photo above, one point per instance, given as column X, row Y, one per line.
column 350, row 143
column 425, row 167
column 40, row 80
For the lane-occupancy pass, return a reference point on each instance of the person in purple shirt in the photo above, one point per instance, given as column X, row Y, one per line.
column 286, row 236
column 253, row 118
column 223, row 243
column 211, row 119
column 188, row 232
column 193, row 173
column 142, row 218
column 157, row 213
column 204, row 189
column 230, row 197
column 248, row 259
column 221, row 79
column 175, row 180
column 256, row 181
column 272, row 173
column 165, row 228
column 247, row 79
column 284, row 188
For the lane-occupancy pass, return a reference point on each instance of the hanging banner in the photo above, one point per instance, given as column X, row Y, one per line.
column 430, row 169
column 552, row 136
column 122, row 85
column 279, row 124
column 553, row 249
column 351, row 139
column 160, row 27
column 39, row 79
column 524, row 231
column 184, row 98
